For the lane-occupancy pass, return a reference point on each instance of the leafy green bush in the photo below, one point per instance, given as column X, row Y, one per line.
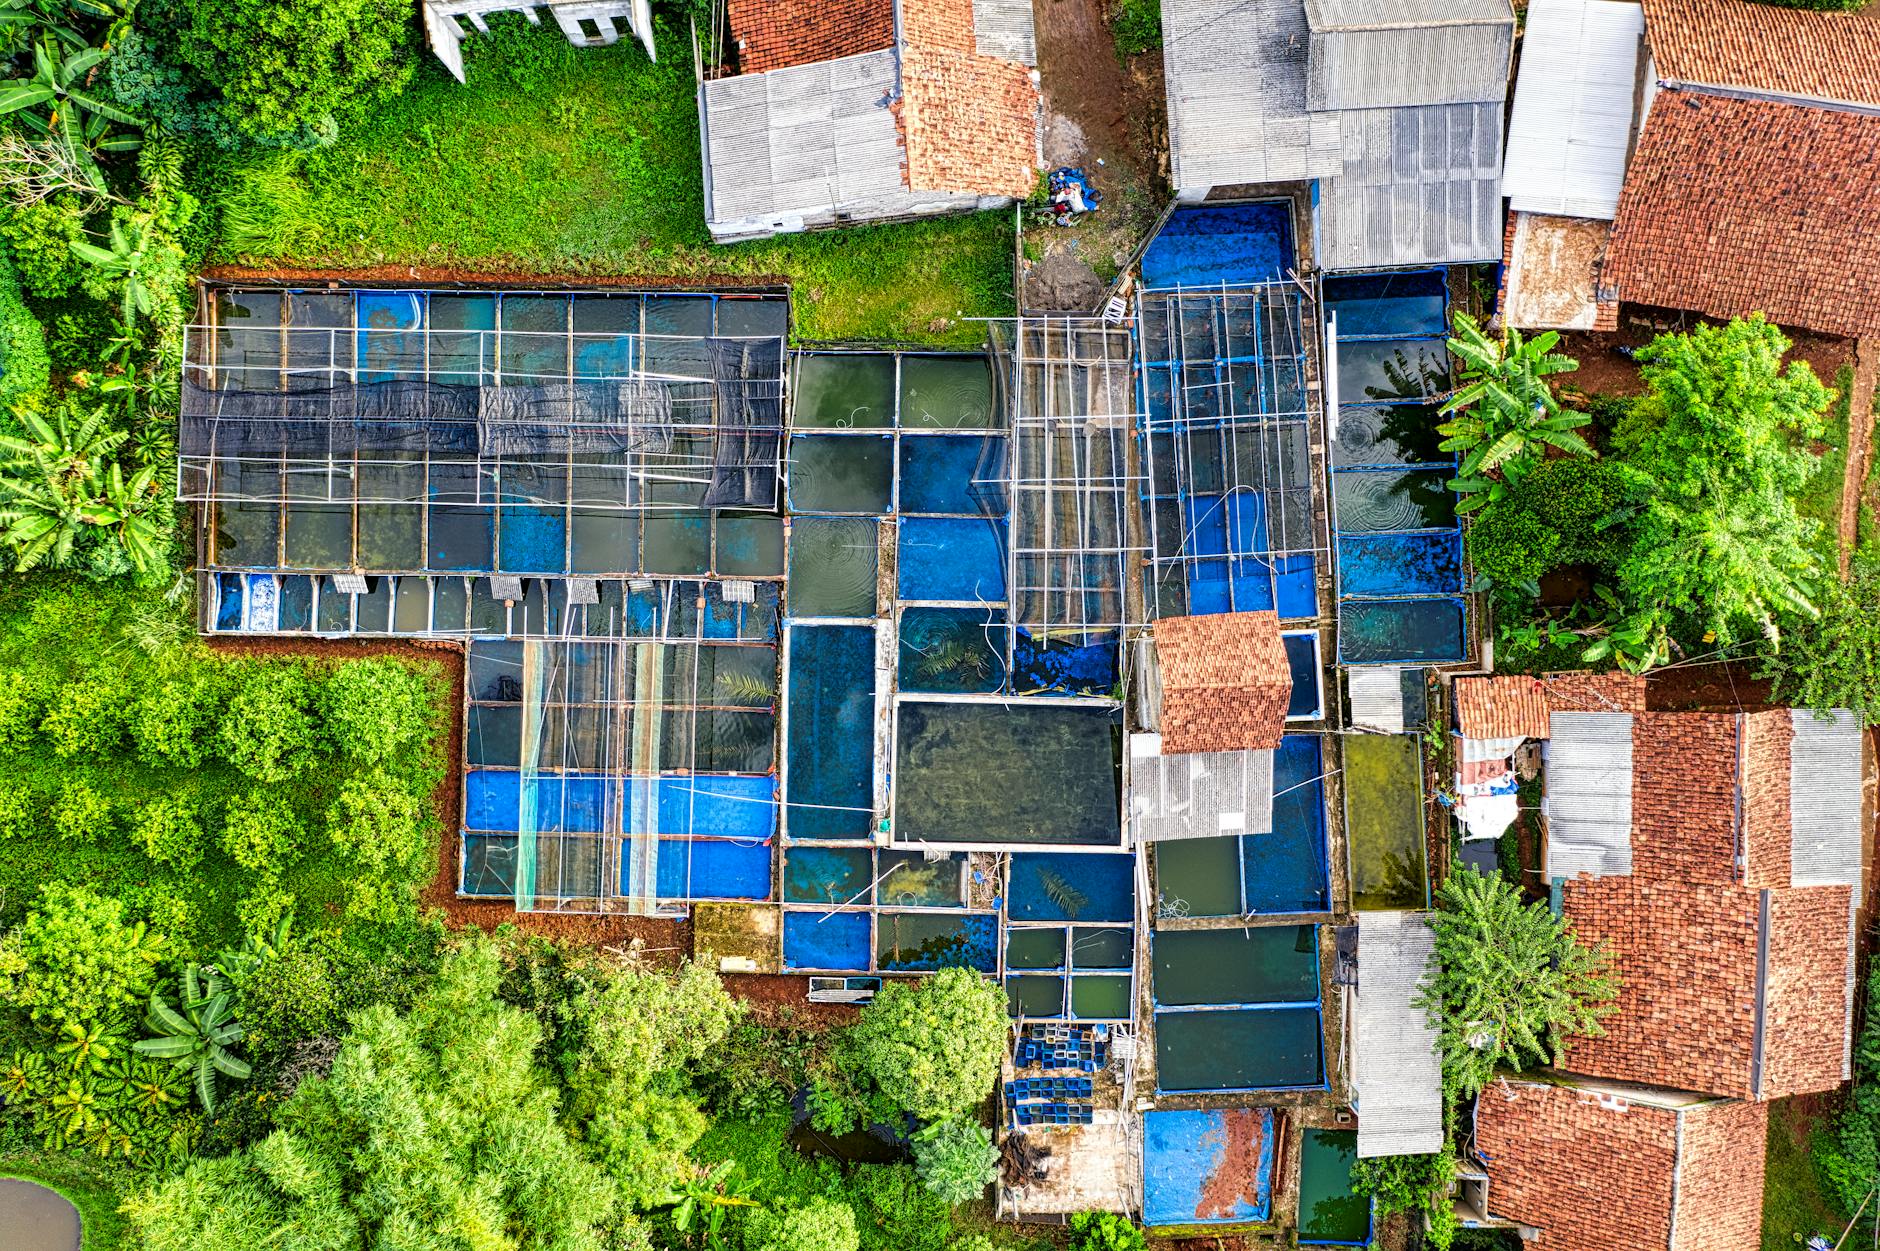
column 1105, row 1231
column 1833, row 660
column 1849, row 1157
column 169, row 830
column 286, row 65
column 1511, row 546
column 376, row 823
column 41, row 238
column 931, row 1051
column 24, row 368
column 76, row 960
column 1136, row 26
column 1414, row 1184
column 956, row 1159
column 268, row 730
column 173, row 721
column 81, row 813
column 261, row 831
column 1566, row 511
column 375, row 709
column 22, row 704
column 86, row 718
column 819, row 1225
column 20, row 808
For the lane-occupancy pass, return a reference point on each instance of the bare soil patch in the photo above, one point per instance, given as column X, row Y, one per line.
column 1606, row 369
column 1110, row 119
column 1859, row 448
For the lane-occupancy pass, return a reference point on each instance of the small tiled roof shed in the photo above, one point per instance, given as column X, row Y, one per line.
column 1225, row 682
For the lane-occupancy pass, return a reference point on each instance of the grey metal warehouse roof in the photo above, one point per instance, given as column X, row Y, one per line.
column 1325, row 14
column 1396, row 1075
column 1419, row 186
column 1236, row 73
column 1573, row 111
column 802, row 139
column 1825, row 799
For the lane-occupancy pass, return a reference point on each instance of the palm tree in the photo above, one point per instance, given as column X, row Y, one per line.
column 199, row 1036
column 59, row 482
column 1506, row 416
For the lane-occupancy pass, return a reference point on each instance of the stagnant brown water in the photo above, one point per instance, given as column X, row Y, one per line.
column 35, row 1218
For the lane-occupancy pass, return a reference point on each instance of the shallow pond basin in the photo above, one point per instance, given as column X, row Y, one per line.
column 36, row 1218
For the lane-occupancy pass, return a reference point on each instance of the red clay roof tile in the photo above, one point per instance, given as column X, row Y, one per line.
column 1738, row 206
column 776, row 34
column 1763, row 47
column 1225, row 682
column 1511, row 706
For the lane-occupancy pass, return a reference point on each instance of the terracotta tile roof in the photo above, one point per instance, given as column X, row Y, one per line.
column 1225, row 682
column 970, row 122
column 776, row 34
column 1501, row 707
column 1737, row 206
column 1737, row 43
column 1594, row 692
column 1710, row 820
column 1597, row 1173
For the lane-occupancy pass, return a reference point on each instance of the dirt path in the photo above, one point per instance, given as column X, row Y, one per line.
column 1859, row 446
column 1107, row 118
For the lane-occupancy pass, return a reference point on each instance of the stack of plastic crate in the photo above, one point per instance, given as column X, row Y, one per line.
column 1054, row 1086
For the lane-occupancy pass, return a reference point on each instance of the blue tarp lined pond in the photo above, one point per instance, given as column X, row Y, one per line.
column 1234, row 244
column 1207, row 1167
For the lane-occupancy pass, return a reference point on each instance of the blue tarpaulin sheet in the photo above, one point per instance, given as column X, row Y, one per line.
column 1207, row 1168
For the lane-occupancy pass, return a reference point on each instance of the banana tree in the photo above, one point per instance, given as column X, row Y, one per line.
column 197, row 1036
column 125, row 259
column 86, row 1050
column 80, row 120
column 1505, row 416
column 61, row 481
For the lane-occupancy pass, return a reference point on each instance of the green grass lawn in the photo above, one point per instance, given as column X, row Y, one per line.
column 95, row 1189
column 1795, row 1205
column 562, row 161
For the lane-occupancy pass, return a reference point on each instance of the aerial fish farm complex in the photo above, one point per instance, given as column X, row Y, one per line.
column 877, row 662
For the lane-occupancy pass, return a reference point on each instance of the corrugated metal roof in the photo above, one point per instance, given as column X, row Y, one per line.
column 1236, row 74
column 1825, row 799
column 1330, row 14
column 1573, row 107
column 1589, row 794
column 803, row 139
column 1197, row 794
column 1410, row 66
column 1419, row 186
column 1396, row 1075
column 1004, row 28
column 1376, row 697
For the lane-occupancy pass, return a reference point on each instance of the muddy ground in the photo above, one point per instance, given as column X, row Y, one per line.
column 1110, row 119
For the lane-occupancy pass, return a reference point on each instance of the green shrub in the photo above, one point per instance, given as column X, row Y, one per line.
column 1136, row 26
column 376, row 823
column 20, row 809
column 263, row 908
column 80, row 813
column 22, row 704
column 1819, row 6
column 1105, row 1231
column 1510, row 546
column 285, row 65
column 169, row 830
column 24, row 368
column 932, row 1050
column 374, row 709
column 76, row 960
column 173, row 721
column 956, row 1159
column 1584, row 501
column 41, row 238
column 1414, row 1184
column 1849, row 1157
column 262, row 832
column 818, row 1225
column 268, row 730
column 85, row 718
column 292, row 997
